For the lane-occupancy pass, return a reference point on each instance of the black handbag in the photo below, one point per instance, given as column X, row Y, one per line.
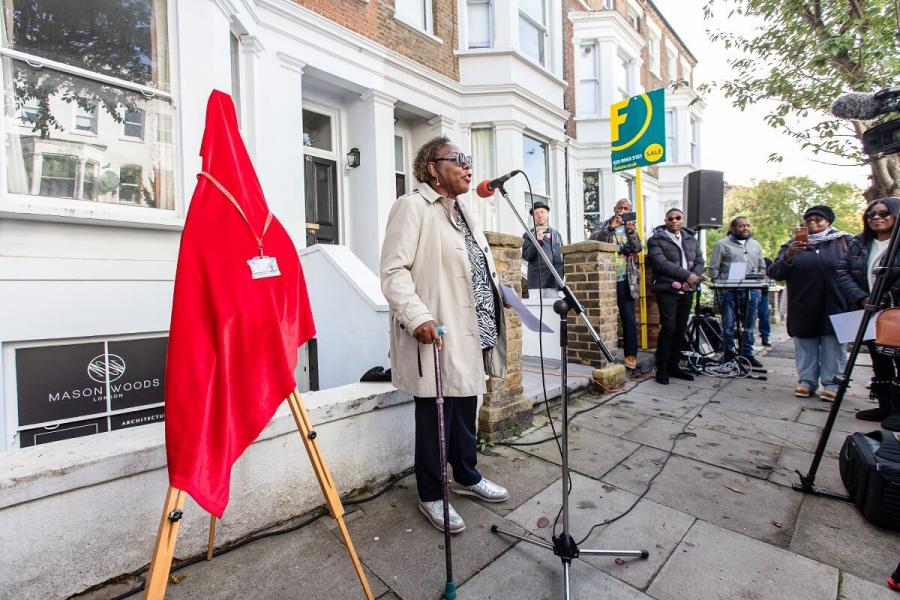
column 870, row 469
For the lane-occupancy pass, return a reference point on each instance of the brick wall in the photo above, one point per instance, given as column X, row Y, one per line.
column 375, row 20
column 591, row 274
column 505, row 410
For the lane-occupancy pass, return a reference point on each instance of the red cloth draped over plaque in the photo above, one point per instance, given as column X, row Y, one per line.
column 233, row 340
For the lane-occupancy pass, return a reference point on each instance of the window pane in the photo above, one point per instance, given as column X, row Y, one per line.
column 86, row 118
column 535, row 8
column 120, row 38
column 531, row 40
column 58, row 176
column 316, row 130
column 134, row 123
column 534, row 163
column 57, row 96
column 591, row 198
column 482, row 143
column 412, row 12
column 130, row 188
column 89, row 186
column 479, row 24
column 399, row 160
column 235, row 47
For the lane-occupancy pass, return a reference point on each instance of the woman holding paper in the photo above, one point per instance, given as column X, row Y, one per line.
column 856, row 276
column 807, row 265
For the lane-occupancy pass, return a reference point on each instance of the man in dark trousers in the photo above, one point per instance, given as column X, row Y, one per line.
column 539, row 276
column 674, row 255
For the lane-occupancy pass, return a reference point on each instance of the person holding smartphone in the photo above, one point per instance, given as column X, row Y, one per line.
column 620, row 230
column 807, row 264
column 539, row 276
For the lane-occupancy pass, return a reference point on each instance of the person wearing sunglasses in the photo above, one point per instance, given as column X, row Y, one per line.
column 807, row 266
column 856, row 277
column 437, row 269
column 625, row 236
column 738, row 247
column 673, row 253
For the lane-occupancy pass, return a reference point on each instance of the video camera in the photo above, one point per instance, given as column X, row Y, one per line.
column 880, row 140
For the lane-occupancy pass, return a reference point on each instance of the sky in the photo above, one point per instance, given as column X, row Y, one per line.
column 739, row 143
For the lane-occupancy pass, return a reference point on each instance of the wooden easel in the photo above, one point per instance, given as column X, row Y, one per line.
column 161, row 563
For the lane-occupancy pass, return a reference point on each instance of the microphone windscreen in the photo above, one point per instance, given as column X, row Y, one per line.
column 856, row 105
column 484, row 190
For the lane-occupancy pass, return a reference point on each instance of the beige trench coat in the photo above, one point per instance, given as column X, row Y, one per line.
column 425, row 276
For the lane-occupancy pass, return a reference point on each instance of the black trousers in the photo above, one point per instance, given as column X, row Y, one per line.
column 626, row 312
column 459, row 426
column 674, row 310
column 887, row 372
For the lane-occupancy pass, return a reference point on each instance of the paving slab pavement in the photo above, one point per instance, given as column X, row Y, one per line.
column 727, row 450
column 590, row 452
column 854, row 588
column 746, row 505
column 713, row 563
column 837, row 534
column 526, row 571
column 649, row 526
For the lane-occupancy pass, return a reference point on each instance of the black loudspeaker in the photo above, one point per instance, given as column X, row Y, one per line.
column 704, row 193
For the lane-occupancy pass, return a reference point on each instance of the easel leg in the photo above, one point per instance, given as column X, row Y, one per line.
column 164, row 550
column 211, row 544
column 301, row 417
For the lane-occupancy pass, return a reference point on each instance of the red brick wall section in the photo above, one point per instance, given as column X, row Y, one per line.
column 375, row 21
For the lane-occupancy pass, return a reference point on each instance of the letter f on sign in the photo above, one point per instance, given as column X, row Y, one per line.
column 617, row 118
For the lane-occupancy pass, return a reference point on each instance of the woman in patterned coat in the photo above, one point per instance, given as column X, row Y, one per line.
column 437, row 269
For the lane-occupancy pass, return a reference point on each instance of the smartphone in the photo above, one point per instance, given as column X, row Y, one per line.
column 629, row 217
column 801, row 234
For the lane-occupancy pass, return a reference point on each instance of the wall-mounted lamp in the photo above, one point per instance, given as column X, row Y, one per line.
column 353, row 158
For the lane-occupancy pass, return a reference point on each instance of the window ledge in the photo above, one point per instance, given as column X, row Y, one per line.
column 20, row 206
column 39, row 471
column 427, row 34
column 515, row 53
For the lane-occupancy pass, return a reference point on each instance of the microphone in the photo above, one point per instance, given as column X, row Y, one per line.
column 486, row 188
column 863, row 107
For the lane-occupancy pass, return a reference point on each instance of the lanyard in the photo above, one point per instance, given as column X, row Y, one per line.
column 259, row 238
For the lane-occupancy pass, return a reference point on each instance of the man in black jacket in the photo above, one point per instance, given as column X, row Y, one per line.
column 539, row 276
column 674, row 255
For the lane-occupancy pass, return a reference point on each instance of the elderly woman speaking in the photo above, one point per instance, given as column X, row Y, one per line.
column 437, row 268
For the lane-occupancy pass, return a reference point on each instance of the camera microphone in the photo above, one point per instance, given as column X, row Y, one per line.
column 864, row 107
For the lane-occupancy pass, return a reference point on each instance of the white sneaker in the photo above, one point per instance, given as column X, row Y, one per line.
column 485, row 489
column 435, row 513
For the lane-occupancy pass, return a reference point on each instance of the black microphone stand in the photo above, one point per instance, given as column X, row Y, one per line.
column 807, row 482
column 564, row 545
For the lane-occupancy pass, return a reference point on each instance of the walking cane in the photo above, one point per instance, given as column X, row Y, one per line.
column 450, row 586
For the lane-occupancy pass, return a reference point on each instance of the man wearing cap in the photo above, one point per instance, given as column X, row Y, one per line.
column 539, row 276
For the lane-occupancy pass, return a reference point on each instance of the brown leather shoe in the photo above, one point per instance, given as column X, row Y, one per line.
column 631, row 362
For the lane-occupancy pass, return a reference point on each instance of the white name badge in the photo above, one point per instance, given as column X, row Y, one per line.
column 262, row 267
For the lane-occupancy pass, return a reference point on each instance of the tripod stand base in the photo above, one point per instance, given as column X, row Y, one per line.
column 566, row 549
column 807, row 488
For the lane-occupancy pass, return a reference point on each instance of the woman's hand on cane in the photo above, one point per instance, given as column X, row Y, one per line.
column 427, row 333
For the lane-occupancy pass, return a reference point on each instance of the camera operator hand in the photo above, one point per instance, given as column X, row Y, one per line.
column 616, row 222
column 427, row 333
column 795, row 247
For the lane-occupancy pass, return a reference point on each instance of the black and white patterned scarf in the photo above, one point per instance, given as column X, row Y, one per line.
column 481, row 286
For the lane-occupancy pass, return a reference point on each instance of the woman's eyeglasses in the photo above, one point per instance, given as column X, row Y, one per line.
column 871, row 214
column 674, row 218
column 459, row 159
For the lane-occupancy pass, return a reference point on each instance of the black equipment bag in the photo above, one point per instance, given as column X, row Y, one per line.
column 870, row 469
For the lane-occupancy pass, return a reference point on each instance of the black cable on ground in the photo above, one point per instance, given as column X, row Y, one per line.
column 320, row 512
column 671, row 452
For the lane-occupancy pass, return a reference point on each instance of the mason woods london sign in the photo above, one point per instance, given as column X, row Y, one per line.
column 72, row 390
